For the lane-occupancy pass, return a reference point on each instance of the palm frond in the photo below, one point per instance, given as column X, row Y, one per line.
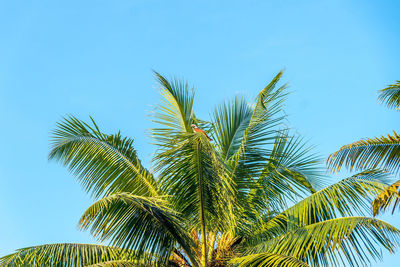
column 382, row 152
column 261, row 130
column 390, row 196
column 350, row 241
column 391, row 96
column 244, row 131
column 67, row 255
column 348, row 197
column 123, row 263
column 175, row 113
column 291, row 170
column 269, row 260
column 293, row 156
column 230, row 120
column 225, row 248
column 144, row 224
column 196, row 179
column 104, row 164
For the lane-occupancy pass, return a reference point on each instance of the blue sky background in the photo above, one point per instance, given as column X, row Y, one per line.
column 95, row 58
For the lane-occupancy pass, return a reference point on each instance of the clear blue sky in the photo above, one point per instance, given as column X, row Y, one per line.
column 95, row 58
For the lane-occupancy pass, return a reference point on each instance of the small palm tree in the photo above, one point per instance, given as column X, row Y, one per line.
column 382, row 152
column 239, row 200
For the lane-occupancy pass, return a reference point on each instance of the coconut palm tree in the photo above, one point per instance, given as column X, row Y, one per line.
column 252, row 197
column 382, row 152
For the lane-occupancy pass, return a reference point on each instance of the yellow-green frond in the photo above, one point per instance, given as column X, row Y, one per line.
column 268, row 260
column 104, row 164
column 66, row 255
column 348, row 241
column 390, row 196
column 390, row 96
column 382, row 152
column 144, row 224
column 174, row 115
column 349, row 197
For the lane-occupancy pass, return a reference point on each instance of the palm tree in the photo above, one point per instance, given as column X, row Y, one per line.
column 252, row 197
column 382, row 152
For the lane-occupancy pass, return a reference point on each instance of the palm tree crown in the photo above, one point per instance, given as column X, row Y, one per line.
column 252, row 197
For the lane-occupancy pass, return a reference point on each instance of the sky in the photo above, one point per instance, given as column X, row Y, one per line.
column 96, row 58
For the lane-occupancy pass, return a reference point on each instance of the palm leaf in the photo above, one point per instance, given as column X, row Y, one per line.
column 382, row 152
column 196, row 179
column 230, row 120
column 351, row 241
column 391, row 96
column 391, row 195
column 67, row 255
column 261, row 130
column 269, row 260
column 290, row 169
column 243, row 133
column 225, row 248
column 175, row 113
column 104, row 164
column 123, row 263
column 144, row 224
column 348, row 197
column 295, row 160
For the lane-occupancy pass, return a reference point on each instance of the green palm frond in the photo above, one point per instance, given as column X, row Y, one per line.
column 292, row 159
column 144, row 224
column 291, row 171
column 390, row 196
column 261, row 131
column 391, row 96
column 124, row 263
column 269, row 260
column 66, row 255
column 245, row 131
column 230, row 121
column 196, row 179
column 174, row 114
column 351, row 241
column 104, row 164
column 348, row 197
column 382, row 152
column 296, row 158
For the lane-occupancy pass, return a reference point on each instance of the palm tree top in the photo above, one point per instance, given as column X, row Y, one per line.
column 254, row 196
